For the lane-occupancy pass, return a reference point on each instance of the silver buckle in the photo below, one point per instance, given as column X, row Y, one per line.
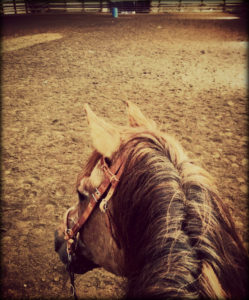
column 103, row 205
column 97, row 192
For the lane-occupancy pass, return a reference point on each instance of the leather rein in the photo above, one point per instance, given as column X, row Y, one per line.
column 111, row 178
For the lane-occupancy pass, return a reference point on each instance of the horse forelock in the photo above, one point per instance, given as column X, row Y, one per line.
column 89, row 166
column 170, row 221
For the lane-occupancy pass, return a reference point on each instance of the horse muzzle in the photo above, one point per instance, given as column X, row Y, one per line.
column 80, row 260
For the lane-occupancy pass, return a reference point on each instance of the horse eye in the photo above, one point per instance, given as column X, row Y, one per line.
column 108, row 161
column 82, row 197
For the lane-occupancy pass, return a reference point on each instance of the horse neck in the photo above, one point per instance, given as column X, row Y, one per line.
column 165, row 236
column 149, row 212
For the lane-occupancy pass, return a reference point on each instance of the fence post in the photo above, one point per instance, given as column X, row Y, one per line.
column 14, row 3
column 180, row 5
column 26, row 7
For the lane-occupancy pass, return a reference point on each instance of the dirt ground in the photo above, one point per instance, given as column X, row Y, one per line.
column 188, row 72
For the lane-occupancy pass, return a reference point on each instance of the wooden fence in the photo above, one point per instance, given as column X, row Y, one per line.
column 15, row 7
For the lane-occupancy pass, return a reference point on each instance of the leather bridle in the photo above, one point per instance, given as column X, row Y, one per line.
column 112, row 175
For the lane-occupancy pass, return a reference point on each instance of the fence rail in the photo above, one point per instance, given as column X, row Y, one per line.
column 15, row 7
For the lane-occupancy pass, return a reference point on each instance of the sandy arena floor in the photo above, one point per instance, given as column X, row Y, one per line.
column 188, row 72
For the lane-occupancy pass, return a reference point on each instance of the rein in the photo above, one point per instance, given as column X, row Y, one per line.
column 109, row 183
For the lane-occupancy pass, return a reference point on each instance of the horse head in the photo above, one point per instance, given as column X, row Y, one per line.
column 148, row 212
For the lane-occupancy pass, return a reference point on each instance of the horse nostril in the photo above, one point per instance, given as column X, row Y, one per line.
column 60, row 247
column 80, row 264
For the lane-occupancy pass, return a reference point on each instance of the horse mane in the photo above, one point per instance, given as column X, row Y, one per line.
column 178, row 237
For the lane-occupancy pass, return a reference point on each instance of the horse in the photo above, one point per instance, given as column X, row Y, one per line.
column 159, row 220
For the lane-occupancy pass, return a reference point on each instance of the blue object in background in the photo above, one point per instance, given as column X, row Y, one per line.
column 115, row 12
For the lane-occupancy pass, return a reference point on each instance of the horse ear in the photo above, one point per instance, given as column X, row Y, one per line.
column 136, row 118
column 105, row 137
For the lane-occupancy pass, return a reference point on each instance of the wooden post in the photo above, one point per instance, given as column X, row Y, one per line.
column 26, row 7
column 201, row 5
column 180, row 5
column 224, row 5
column 48, row 3
column 14, row 3
column 1, row 9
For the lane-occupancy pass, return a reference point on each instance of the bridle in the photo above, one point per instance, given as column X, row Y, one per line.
column 112, row 175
